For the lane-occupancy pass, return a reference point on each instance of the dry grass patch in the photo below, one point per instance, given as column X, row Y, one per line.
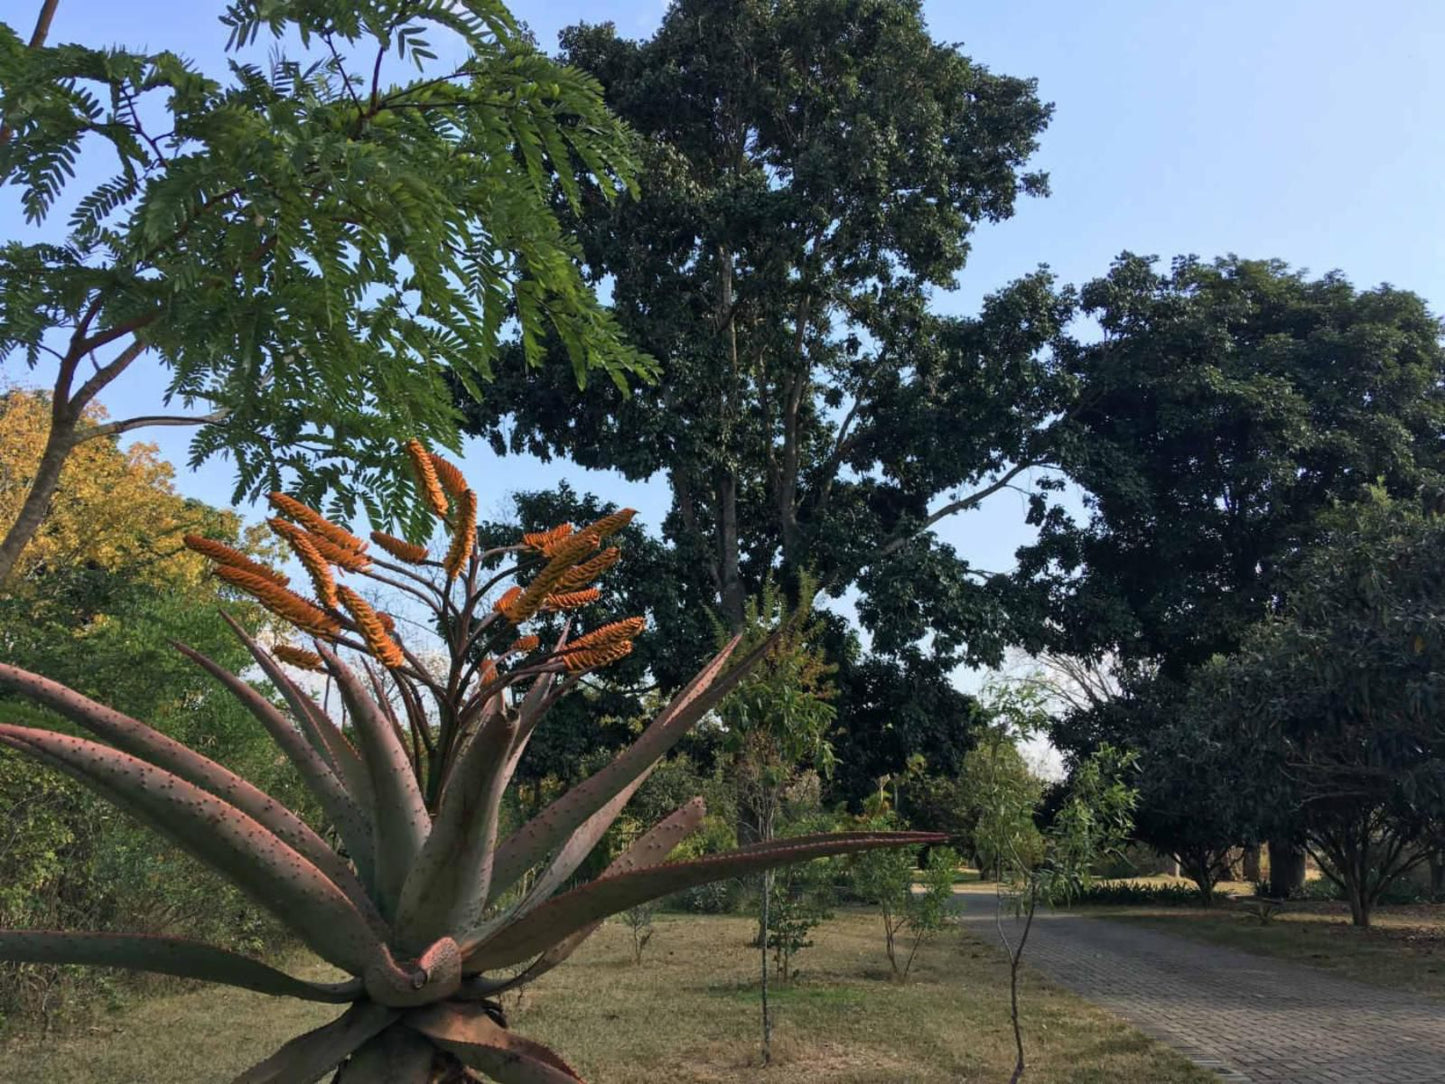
column 689, row 1015
column 1403, row 950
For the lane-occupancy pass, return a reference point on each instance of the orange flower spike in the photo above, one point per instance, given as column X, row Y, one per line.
column 401, row 550
column 607, row 635
column 298, row 657
column 373, row 629
column 316, row 523
column 567, row 554
column 511, row 595
column 464, row 535
column 304, row 614
column 523, row 645
column 223, row 554
column 426, row 477
column 546, row 542
column 449, row 475
column 597, row 656
column 611, row 524
column 311, row 559
column 588, row 571
column 572, row 600
column 348, row 560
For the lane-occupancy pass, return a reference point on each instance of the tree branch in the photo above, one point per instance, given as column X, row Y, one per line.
column 110, row 429
column 37, row 39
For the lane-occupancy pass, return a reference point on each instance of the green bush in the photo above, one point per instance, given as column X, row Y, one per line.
column 1143, row 895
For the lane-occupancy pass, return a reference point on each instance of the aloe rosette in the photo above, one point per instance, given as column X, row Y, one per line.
column 424, row 904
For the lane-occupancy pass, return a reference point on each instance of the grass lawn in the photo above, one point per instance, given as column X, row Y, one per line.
column 1404, row 949
column 687, row 1015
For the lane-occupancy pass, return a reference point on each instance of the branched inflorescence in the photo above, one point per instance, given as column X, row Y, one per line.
column 428, row 909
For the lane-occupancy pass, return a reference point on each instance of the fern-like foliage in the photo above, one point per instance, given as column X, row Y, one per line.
column 318, row 254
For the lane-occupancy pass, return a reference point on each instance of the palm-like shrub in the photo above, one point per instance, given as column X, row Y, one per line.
column 422, row 904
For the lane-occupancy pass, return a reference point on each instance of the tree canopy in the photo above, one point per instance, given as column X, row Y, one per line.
column 811, row 171
column 316, row 255
column 1223, row 407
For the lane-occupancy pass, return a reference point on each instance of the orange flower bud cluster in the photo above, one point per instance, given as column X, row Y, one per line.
column 448, row 475
column 304, row 614
column 311, row 559
column 373, row 629
column 611, row 524
column 596, row 657
column 509, row 597
column 349, row 560
column 545, row 542
column 400, row 549
column 523, row 645
column 316, row 523
column 223, row 554
column 464, row 535
column 589, row 570
column 572, row 600
column 426, row 477
column 564, row 557
column 612, row 633
column 298, row 657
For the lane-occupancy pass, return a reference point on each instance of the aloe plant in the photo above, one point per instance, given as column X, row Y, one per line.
column 423, row 904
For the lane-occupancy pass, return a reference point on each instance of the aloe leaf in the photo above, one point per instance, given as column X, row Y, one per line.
column 323, row 734
column 396, row 1056
column 559, row 918
column 479, row 1042
column 139, row 740
column 447, row 888
column 336, row 803
column 549, row 829
column 270, row 872
column 167, row 956
column 400, row 821
column 650, row 850
column 307, row 1057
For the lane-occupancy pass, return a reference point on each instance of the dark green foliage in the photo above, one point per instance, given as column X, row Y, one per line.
column 812, row 170
column 318, row 254
column 1225, row 405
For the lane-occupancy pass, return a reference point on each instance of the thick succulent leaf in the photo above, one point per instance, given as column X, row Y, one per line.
column 563, row 916
column 324, row 735
column 479, row 1042
column 167, row 956
column 550, row 829
column 139, row 740
column 447, row 888
column 400, row 822
column 255, row 860
column 305, row 1058
column 352, row 824
column 650, row 850
column 397, row 1056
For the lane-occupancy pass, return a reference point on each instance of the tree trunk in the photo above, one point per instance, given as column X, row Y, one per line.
column 1437, row 875
column 733, row 595
column 1250, row 863
column 58, row 445
column 1286, row 868
column 1359, row 904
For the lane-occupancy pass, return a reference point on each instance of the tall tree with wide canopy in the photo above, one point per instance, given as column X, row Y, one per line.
column 1224, row 406
column 813, row 169
column 316, row 255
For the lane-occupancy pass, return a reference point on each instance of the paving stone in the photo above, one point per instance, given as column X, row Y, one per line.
column 1251, row 1019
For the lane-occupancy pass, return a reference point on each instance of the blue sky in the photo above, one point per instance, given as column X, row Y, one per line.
column 1298, row 129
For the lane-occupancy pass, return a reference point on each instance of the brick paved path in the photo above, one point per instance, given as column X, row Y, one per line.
column 1253, row 1019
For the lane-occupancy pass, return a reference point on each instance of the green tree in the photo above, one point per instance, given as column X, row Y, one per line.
column 813, row 170
column 1344, row 690
column 1224, row 406
column 1091, row 824
column 776, row 723
column 910, row 918
column 317, row 256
